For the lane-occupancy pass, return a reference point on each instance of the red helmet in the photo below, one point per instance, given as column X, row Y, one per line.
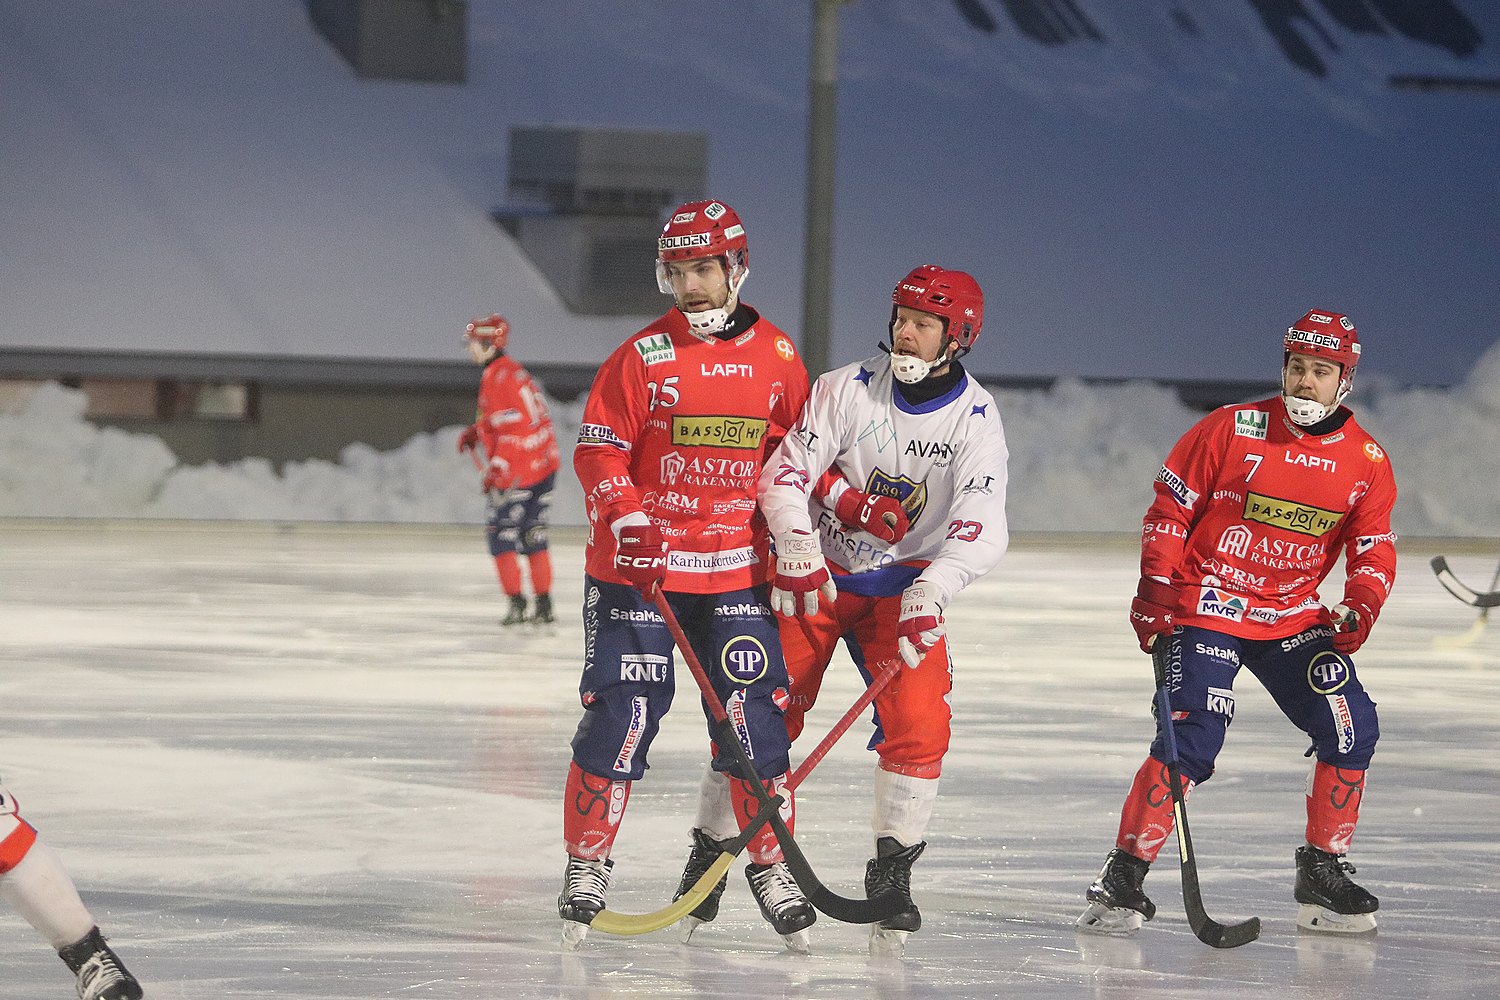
column 1329, row 336
column 703, row 229
column 953, row 295
column 488, row 334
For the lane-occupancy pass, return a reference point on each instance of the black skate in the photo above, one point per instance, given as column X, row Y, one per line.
column 705, row 851
column 101, row 974
column 1117, row 905
column 517, row 613
column 782, row 903
column 542, row 614
column 890, row 871
column 582, row 897
column 1331, row 901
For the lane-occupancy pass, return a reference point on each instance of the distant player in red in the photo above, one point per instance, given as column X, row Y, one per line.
column 513, row 431
column 1254, row 507
column 677, row 426
column 34, row 881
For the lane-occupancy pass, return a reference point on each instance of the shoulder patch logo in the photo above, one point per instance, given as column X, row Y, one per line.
column 656, row 348
column 1251, row 424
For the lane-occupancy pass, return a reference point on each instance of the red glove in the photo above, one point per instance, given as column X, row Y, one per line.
column 469, row 439
column 1152, row 610
column 498, row 476
column 1352, row 621
column 881, row 516
column 642, row 555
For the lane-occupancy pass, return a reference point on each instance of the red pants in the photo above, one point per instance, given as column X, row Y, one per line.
column 912, row 714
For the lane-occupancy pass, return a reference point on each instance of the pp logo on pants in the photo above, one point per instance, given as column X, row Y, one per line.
column 744, row 659
column 1327, row 672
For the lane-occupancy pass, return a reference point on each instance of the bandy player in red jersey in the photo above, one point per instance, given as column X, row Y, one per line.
column 514, row 429
column 1254, row 506
column 678, row 423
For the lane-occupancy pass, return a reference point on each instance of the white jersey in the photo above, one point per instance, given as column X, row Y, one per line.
column 944, row 460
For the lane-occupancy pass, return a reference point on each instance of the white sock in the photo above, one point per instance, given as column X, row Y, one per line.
column 716, row 807
column 903, row 805
column 42, row 891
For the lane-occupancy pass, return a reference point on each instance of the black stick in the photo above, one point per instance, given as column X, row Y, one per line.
column 1454, row 586
column 1209, row 930
column 852, row 911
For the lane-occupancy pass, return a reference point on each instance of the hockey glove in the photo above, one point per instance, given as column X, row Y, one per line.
column 880, row 515
column 641, row 557
column 800, row 573
column 1352, row 621
column 498, row 476
column 921, row 624
column 469, row 439
column 1152, row 610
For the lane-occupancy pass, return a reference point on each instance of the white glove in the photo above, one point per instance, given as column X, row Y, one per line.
column 800, row 570
column 921, row 624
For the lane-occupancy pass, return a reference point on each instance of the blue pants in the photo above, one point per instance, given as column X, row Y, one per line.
column 628, row 678
column 516, row 519
column 1313, row 685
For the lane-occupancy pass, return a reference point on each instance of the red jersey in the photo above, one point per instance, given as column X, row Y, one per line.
column 1251, row 514
column 514, row 424
column 678, row 425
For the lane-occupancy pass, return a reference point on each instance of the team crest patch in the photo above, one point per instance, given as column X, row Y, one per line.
column 656, row 348
column 910, row 494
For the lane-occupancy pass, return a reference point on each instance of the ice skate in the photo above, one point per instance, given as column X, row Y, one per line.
column 783, row 904
column 582, row 897
column 101, row 974
column 890, row 871
column 541, row 612
column 1117, row 906
column 704, row 852
column 517, row 613
column 1330, row 901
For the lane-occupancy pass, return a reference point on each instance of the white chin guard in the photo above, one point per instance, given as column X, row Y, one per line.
column 480, row 351
column 1306, row 412
column 909, row 368
column 707, row 322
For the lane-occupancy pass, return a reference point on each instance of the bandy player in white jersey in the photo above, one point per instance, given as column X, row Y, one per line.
column 893, row 478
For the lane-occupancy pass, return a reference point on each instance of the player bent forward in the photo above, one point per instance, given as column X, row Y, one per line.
column 1253, row 507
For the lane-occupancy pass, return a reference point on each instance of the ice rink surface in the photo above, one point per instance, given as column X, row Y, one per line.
column 306, row 762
